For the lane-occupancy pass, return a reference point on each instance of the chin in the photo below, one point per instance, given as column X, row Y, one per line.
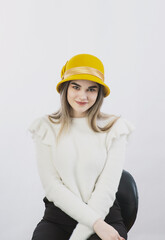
column 80, row 112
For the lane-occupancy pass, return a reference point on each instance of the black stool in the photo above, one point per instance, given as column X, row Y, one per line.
column 127, row 196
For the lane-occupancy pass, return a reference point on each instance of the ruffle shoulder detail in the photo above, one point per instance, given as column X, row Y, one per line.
column 121, row 127
column 40, row 127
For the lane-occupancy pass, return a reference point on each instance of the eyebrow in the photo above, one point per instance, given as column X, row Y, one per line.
column 88, row 87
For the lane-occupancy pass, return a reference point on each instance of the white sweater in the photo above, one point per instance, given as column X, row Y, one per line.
column 81, row 174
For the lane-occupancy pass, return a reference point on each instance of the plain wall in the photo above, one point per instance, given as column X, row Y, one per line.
column 36, row 39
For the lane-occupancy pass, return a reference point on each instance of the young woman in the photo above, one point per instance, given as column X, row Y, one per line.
column 80, row 154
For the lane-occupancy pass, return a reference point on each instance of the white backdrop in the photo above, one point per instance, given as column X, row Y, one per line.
column 37, row 37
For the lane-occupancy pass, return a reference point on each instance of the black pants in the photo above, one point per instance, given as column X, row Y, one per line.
column 57, row 225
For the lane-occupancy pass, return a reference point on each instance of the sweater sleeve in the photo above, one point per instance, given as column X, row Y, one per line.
column 55, row 190
column 106, row 187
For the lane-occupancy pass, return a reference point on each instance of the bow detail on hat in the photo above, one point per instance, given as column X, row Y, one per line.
column 63, row 69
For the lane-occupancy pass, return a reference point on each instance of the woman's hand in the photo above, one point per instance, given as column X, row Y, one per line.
column 106, row 231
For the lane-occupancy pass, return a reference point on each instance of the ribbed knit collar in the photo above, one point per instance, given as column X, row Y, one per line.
column 80, row 120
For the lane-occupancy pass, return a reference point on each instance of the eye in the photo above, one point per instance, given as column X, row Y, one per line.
column 75, row 87
column 93, row 90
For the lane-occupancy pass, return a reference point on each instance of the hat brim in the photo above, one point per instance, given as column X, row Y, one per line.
column 85, row 77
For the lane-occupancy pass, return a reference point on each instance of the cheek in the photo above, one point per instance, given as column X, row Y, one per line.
column 71, row 93
column 93, row 97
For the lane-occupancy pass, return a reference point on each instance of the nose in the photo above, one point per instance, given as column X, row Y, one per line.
column 82, row 95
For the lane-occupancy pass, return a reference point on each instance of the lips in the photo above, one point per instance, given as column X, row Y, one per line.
column 81, row 103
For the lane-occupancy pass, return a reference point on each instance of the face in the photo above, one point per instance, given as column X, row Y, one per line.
column 81, row 91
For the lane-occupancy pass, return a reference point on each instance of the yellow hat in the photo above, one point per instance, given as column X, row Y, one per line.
column 84, row 67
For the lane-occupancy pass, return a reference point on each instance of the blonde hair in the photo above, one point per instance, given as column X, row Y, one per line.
column 63, row 115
